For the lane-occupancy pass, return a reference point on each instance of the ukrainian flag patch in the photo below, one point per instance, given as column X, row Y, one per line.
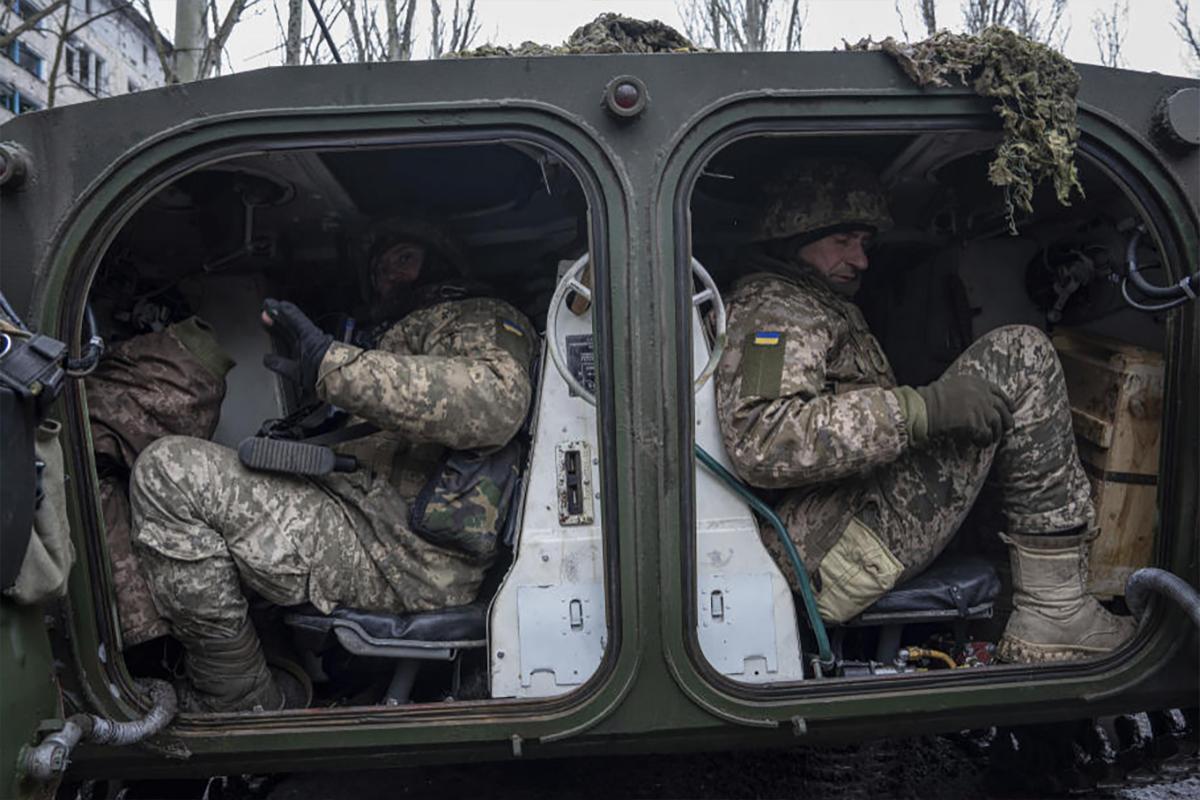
column 512, row 337
column 762, row 364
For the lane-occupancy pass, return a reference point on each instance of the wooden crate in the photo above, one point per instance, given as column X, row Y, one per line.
column 1116, row 392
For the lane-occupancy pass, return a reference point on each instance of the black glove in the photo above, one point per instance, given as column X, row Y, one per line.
column 307, row 342
column 964, row 405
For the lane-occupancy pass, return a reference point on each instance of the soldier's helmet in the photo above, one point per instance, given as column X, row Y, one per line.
column 812, row 197
column 444, row 258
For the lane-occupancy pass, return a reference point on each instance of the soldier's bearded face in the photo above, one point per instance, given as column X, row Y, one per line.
column 840, row 258
column 398, row 267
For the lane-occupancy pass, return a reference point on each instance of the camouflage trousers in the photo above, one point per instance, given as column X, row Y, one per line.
column 914, row 505
column 157, row 384
column 204, row 525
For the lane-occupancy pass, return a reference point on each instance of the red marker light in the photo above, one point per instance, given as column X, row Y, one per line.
column 626, row 95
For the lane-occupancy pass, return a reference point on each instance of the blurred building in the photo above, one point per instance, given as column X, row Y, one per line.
column 109, row 49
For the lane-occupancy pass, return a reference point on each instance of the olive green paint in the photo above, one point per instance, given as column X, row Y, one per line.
column 28, row 694
column 653, row 693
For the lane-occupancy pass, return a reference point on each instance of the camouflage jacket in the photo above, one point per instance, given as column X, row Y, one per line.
column 455, row 375
column 802, row 389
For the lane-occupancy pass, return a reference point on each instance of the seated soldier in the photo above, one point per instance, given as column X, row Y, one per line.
column 881, row 476
column 449, row 369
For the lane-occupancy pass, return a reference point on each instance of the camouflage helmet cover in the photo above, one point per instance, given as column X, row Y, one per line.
column 385, row 233
column 811, row 195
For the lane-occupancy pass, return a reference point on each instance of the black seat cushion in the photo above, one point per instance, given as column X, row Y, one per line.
column 954, row 584
column 458, row 624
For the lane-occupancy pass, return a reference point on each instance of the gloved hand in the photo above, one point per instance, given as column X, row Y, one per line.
column 308, row 343
column 964, row 405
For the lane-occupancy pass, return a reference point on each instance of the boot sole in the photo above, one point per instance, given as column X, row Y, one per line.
column 1017, row 651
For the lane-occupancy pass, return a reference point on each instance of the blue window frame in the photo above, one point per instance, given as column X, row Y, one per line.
column 12, row 100
column 26, row 9
column 26, row 57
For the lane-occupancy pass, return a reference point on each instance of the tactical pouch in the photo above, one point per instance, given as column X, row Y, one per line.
column 31, row 377
column 857, row 571
column 49, row 554
column 465, row 504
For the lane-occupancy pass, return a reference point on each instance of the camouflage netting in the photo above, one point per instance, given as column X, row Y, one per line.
column 607, row 33
column 1036, row 88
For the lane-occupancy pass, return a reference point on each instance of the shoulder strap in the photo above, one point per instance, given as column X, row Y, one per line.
column 346, row 433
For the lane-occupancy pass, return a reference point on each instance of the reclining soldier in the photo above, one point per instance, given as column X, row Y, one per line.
column 881, row 476
column 451, row 372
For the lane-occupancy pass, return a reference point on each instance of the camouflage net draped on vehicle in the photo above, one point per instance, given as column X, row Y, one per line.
column 1035, row 87
column 607, row 33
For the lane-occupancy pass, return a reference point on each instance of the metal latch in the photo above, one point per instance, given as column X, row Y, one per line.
column 716, row 602
column 575, row 614
column 573, row 465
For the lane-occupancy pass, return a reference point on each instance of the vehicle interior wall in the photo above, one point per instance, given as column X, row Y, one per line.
column 299, row 225
column 949, row 272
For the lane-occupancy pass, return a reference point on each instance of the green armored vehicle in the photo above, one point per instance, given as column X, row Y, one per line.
column 638, row 595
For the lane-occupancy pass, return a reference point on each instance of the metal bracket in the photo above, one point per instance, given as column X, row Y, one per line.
column 573, row 467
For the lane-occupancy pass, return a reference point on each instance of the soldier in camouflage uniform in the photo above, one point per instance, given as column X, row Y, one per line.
column 162, row 383
column 450, row 374
column 881, row 476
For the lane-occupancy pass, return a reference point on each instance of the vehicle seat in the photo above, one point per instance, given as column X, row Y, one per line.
column 410, row 639
column 955, row 589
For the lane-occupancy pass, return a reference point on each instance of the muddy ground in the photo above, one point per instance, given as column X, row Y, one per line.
column 1031, row 763
column 928, row 768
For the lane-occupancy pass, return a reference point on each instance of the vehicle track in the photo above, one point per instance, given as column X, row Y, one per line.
column 1132, row 757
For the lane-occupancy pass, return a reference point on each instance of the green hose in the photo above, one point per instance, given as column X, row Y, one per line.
column 806, row 594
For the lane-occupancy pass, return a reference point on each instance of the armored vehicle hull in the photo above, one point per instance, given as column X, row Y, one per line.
column 605, row 623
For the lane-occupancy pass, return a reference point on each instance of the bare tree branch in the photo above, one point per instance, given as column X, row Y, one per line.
column 295, row 29
column 30, row 23
column 1041, row 24
column 454, row 26
column 725, row 15
column 929, row 16
column 330, row 19
column 393, row 29
column 376, row 39
column 754, row 24
column 372, row 38
column 900, row 17
column 463, row 32
column 715, row 16
column 63, row 35
column 112, row 10
column 797, row 18
column 981, row 14
column 212, row 51
column 1183, row 26
column 312, row 52
column 437, row 29
column 406, row 33
column 348, row 6
column 697, row 22
column 745, row 25
column 216, row 22
column 1109, row 31
column 1029, row 18
column 160, row 46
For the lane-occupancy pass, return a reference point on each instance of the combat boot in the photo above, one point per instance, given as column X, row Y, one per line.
column 1054, row 618
column 229, row 674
